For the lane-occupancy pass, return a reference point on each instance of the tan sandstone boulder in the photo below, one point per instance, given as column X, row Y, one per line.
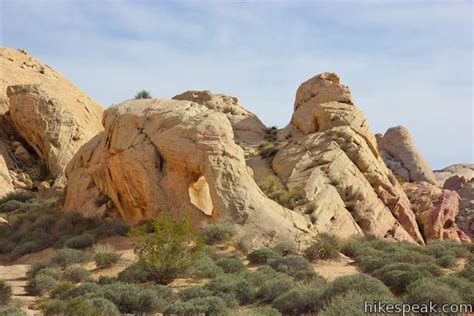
column 436, row 210
column 52, row 115
column 177, row 156
column 6, row 181
column 329, row 154
column 462, row 169
column 400, row 155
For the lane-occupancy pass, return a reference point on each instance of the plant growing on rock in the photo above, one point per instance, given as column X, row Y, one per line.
column 143, row 94
column 169, row 249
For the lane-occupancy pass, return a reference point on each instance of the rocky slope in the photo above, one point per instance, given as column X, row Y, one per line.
column 45, row 109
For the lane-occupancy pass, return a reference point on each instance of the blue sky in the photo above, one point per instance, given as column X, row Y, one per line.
column 407, row 62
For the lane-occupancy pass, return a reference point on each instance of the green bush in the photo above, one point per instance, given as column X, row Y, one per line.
column 298, row 301
column 20, row 196
column 430, row 290
column 215, row 233
column 286, row 247
column 308, row 277
column 230, row 265
column 447, row 261
column 169, row 250
column 261, row 311
column 37, row 266
column 96, row 306
column 464, row 287
column 360, row 283
column 262, row 256
column 275, row 190
column 53, row 307
column 43, row 281
column 66, row 257
column 291, row 265
column 61, row 288
column 81, row 290
column 80, row 242
column 143, row 94
column 131, row 298
column 271, row 289
column 209, row 305
column 12, row 310
column 105, row 256
column 262, row 275
column 204, row 267
column 194, row 292
column 136, row 273
column 75, row 274
column 267, row 149
column 398, row 276
column 326, row 246
column 5, row 292
column 235, row 286
column 467, row 272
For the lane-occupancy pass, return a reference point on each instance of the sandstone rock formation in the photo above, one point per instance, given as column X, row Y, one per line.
column 330, row 154
column 181, row 157
column 436, row 210
column 462, row 169
column 465, row 219
column 6, row 181
column 52, row 115
column 401, row 156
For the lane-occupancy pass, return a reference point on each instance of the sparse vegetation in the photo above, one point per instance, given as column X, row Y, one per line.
column 169, row 250
column 5, row 293
column 215, row 233
column 275, row 190
column 105, row 256
column 143, row 94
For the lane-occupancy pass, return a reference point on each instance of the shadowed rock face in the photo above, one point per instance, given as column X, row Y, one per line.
column 331, row 155
column 401, row 156
column 54, row 117
column 177, row 156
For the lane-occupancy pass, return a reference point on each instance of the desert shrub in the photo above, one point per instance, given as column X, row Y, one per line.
column 136, row 273
column 235, row 286
column 110, row 228
column 5, row 292
column 80, row 242
column 262, row 255
column 81, row 290
column 440, row 248
column 143, row 94
column 131, row 298
column 359, row 283
column 447, row 261
column 267, row 149
column 209, row 305
column 291, row 265
column 464, row 287
column 38, row 265
column 215, row 233
column 169, row 250
column 352, row 303
column 308, row 277
column 43, row 281
column 53, row 307
column 286, row 247
column 467, row 272
column 75, row 274
column 66, row 257
column 271, row 289
column 398, row 276
column 12, row 310
column 96, row 306
column 275, row 190
column 298, row 301
column 194, row 292
column 325, row 246
column 261, row 311
column 230, row 265
column 351, row 245
column 20, row 196
column 43, row 226
column 105, row 256
column 430, row 290
column 262, row 275
column 413, row 257
column 204, row 267
column 61, row 288
column 103, row 280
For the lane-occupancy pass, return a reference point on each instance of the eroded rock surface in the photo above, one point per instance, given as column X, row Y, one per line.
column 47, row 111
column 461, row 169
column 401, row 156
column 181, row 157
column 436, row 210
column 331, row 155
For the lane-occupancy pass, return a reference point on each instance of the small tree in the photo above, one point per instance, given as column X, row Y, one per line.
column 169, row 249
column 143, row 94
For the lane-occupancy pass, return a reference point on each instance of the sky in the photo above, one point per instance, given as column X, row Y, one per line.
column 406, row 62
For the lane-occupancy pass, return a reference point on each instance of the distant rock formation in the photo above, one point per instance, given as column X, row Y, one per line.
column 177, row 156
column 46, row 110
column 400, row 154
column 462, row 169
column 436, row 210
